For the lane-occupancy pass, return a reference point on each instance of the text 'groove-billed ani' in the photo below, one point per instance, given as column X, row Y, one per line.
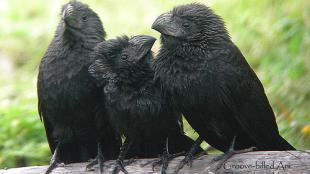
column 67, row 94
column 136, row 108
column 207, row 78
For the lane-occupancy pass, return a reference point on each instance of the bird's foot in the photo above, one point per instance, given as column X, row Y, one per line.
column 157, row 162
column 231, row 151
column 188, row 160
column 189, row 157
column 129, row 161
column 98, row 160
column 119, row 166
column 91, row 164
column 52, row 166
column 54, row 161
column 162, row 161
column 223, row 158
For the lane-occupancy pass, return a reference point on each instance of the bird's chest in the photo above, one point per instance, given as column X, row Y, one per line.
column 117, row 99
column 119, row 106
column 66, row 77
column 133, row 113
column 192, row 84
column 65, row 68
column 181, row 76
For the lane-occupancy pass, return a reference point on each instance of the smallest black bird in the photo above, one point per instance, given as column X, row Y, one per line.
column 135, row 106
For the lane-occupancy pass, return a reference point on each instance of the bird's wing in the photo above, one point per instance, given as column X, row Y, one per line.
column 243, row 93
column 42, row 113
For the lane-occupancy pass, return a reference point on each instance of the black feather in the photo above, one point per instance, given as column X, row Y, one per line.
column 135, row 105
column 207, row 78
column 67, row 95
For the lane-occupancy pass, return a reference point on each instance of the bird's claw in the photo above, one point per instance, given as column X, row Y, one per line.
column 54, row 161
column 156, row 163
column 98, row 160
column 160, row 161
column 223, row 158
column 52, row 166
column 91, row 164
column 119, row 167
column 188, row 160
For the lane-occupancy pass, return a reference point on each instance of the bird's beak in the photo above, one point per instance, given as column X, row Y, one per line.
column 147, row 42
column 67, row 14
column 165, row 25
column 144, row 43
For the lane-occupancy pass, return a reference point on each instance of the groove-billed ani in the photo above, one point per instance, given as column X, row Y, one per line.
column 208, row 79
column 67, row 101
column 136, row 108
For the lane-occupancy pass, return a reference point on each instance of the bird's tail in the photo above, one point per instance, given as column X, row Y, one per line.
column 284, row 145
column 279, row 144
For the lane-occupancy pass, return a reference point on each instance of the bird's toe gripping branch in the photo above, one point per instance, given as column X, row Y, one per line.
column 54, row 163
column 231, row 151
column 98, row 160
column 190, row 156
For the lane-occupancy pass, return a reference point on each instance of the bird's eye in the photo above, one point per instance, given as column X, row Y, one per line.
column 84, row 18
column 185, row 24
column 124, row 57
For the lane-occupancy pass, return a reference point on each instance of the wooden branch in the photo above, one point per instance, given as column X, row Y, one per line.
column 262, row 162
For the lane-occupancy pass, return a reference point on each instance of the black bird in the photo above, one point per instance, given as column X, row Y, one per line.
column 67, row 95
column 208, row 79
column 135, row 107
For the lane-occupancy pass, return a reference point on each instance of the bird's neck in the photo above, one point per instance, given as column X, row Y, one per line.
column 136, row 77
column 88, row 42
column 196, row 49
column 76, row 39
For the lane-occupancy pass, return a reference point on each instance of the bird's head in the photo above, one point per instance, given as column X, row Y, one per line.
column 80, row 20
column 189, row 23
column 122, row 55
column 124, row 52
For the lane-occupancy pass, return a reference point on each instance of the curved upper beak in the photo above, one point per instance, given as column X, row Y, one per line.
column 144, row 44
column 147, row 41
column 67, row 14
column 165, row 25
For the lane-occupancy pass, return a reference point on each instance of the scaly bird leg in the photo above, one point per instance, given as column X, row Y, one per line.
column 158, row 162
column 231, row 151
column 189, row 157
column 164, row 160
column 98, row 160
column 54, row 160
column 120, row 166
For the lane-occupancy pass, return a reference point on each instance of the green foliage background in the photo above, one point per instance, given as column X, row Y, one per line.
column 273, row 35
